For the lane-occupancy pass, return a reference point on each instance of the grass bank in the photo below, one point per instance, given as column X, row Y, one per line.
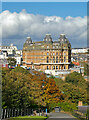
column 29, row 117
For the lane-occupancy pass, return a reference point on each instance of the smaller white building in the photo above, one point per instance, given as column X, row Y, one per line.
column 11, row 52
column 79, row 50
column 18, row 60
column 8, row 49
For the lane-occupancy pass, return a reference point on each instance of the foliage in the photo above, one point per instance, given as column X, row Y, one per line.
column 73, row 91
column 21, row 89
column 86, row 69
column 52, row 93
column 67, row 106
column 11, row 61
column 14, row 90
column 75, row 78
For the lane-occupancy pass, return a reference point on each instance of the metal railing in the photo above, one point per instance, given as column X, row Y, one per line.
column 8, row 113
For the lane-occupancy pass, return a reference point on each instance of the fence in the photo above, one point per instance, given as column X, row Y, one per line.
column 80, row 115
column 7, row 113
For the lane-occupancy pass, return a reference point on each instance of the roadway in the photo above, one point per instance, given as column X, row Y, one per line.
column 60, row 116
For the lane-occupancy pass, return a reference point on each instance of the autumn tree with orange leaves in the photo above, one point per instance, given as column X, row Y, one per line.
column 52, row 93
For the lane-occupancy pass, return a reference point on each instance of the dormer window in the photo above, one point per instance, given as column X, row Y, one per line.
column 53, row 46
column 47, row 46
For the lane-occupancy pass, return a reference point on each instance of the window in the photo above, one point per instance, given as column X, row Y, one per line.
column 64, row 59
column 47, row 46
column 47, row 67
column 60, row 67
column 47, row 53
column 47, row 59
column 56, row 67
column 56, row 59
column 53, row 53
column 64, row 47
column 53, row 67
column 64, row 53
column 53, row 59
column 57, row 53
column 53, row 46
column 64, row 67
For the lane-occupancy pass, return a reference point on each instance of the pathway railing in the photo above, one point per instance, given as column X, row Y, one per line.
column 8, row 113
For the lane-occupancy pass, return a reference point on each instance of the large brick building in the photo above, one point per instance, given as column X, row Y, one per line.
column 47, row 54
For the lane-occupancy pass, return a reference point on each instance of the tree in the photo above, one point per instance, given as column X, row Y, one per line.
column 86, row 69
column 52, row 93
column 21, row 89
column 16, row 88
column 75, row 78
column 73, row 91
column 11, row 61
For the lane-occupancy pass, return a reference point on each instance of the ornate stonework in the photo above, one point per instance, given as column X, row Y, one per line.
column 47, row 54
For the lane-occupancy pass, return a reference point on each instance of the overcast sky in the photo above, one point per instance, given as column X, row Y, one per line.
column 20, row 20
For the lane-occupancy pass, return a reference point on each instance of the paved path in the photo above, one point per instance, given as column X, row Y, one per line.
column 60, row 116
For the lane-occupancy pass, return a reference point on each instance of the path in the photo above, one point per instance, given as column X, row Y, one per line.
column 60, row 116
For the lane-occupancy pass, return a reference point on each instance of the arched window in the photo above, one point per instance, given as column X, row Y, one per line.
column 47, row 53
column 47, row 67
column 64, row 59
column 56, row 67
column 64, row 53
column 60, row 67
column 56, row 53
column 64, row 67
column 53, row 67
column 47, row 59
column 56, row 59
column 53, row 59
column 53, row 53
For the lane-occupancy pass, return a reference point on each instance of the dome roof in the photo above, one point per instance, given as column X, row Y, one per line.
column 48, row 38
column 28, row 41
column 63, row 39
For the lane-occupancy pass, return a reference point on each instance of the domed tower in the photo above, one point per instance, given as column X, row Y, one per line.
column 28, row 41
column 65, row 49
column 63, row 39
column 48, row 38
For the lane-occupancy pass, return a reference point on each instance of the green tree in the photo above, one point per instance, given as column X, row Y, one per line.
column 11, row 61
column 86, row 69
column 20, row 89
column 75, row 78
column 73, row 92
column 16, row 89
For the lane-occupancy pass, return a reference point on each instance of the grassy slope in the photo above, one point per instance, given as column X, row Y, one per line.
column 29, row 117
